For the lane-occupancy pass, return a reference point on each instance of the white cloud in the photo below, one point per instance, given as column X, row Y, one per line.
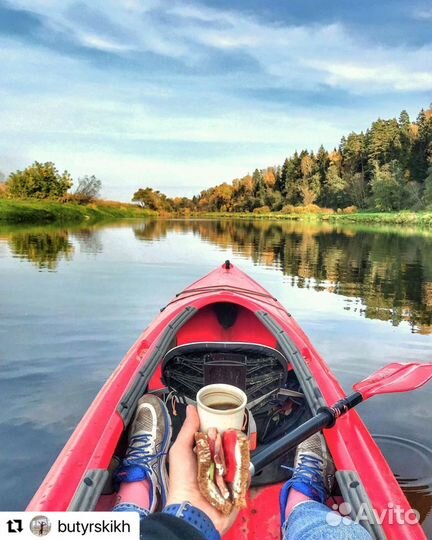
column 425, row 13
column 103, row 44
column 383, row 77
column 307, row 55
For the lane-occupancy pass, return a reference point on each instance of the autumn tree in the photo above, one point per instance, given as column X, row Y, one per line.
column 152, row 199
column 309, row 186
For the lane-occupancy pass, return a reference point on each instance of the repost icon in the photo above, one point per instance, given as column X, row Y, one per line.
column 15, row 526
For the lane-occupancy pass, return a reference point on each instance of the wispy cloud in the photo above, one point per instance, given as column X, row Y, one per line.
column 292, row 55
column 423, row 13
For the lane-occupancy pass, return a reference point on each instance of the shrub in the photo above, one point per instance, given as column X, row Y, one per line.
column 308, row 209
column 311, row 209
column 88, row 189
column 262, row 210
column 350, row 210
column 40, row 181
column 3, row 190
column 288, row 209
column 76, row 198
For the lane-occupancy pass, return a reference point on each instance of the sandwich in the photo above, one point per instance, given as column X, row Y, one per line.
column 223, row 468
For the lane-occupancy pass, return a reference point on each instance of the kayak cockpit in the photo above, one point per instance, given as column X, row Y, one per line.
column 233, row 343
column 276, row 402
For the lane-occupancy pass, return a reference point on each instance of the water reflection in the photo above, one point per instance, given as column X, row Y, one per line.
column 43, row 249
column 89, row 240
column 46, row 246
column 387, row 271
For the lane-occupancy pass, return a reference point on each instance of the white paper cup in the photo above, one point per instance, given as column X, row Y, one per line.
column 221, row 406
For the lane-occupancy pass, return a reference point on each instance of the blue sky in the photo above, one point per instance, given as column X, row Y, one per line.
column 182, row 95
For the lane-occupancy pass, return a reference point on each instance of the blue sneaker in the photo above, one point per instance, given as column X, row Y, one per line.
column 145, row 458
column 313, row 472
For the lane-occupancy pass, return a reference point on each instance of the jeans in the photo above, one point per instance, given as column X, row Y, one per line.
column 312, row 520
column 308, row 521
column 129, row 507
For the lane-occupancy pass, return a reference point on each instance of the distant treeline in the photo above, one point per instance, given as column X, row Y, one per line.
column 386, row 168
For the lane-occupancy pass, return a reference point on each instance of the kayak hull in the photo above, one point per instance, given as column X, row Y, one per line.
column 264, row 321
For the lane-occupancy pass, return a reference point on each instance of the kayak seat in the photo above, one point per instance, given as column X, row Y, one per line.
column 256, row 369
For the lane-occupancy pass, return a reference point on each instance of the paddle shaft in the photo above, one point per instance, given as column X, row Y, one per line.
column 325, row 418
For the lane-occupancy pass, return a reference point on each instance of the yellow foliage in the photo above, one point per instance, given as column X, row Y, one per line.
column 307, row 165
column 350, row 210
column 414, row 131
column 335, row 157
column 3, row 191
column 262, row 210
column 270, row 177
column 307, row 209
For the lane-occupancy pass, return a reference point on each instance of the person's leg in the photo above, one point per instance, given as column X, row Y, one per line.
column 304, row 516
column 142, row 474
column 138, row 494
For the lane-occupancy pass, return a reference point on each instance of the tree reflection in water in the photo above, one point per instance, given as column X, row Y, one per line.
column 43, row 249
column 387, row 271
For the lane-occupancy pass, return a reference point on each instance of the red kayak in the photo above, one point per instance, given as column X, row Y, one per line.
column 227, row 328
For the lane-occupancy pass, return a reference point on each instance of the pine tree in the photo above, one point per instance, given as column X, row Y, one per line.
column 281, row 180
column 404, row 120
column 260, row 188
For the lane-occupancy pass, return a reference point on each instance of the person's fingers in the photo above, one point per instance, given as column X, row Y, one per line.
column 186, row 436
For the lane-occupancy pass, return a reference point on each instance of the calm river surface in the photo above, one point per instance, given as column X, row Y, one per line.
column 73, row 300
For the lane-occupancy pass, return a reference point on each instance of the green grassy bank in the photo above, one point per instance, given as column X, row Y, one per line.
column 17, row 211
column 423, row 219
column 39, row 212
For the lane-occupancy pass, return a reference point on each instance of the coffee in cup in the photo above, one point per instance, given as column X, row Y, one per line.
column 221, row 406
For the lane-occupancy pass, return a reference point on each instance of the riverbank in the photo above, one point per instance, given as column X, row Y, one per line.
column 16, row 211
column 423, row 219
column 40, row 212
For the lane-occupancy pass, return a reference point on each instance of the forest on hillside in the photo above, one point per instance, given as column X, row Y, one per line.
column 386, row 168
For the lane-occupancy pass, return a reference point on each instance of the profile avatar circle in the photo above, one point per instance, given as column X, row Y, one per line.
column 40, row 526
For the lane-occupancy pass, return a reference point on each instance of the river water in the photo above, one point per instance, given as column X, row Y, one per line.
column 73, row 300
